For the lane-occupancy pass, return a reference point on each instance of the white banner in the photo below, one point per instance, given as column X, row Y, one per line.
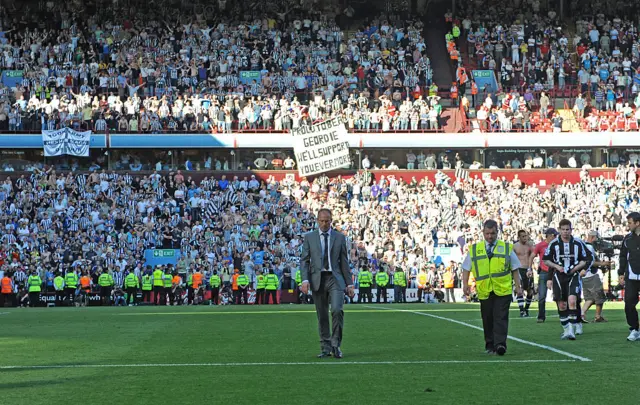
column 321, row 148
column 66, row 141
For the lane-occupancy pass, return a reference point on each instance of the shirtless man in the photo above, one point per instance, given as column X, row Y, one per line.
column 524, row 251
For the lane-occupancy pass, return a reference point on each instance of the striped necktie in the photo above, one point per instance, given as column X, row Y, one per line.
column 490, row 250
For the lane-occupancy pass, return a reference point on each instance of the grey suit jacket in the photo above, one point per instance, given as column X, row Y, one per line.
column 311, row 259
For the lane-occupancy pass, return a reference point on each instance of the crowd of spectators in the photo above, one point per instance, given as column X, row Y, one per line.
column 540, row 58
column 524, row 44
column 172, row 65
column 537, row 112
column 135, row 67
column 104, row 221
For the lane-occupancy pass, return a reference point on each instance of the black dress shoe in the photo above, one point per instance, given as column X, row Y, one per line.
column 501, row 350
column 337, row 353
column 324, row 355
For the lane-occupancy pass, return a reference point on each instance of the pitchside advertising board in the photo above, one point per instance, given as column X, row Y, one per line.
column 321, row 148
column 284, row 297
column 412, row 295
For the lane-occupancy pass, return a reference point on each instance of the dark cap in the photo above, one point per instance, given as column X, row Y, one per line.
column 551, row 231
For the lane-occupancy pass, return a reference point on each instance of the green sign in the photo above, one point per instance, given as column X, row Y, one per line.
column 13, row 73
column 164, row 253
column 12, row 78
column 248, row 76
column 481, row 73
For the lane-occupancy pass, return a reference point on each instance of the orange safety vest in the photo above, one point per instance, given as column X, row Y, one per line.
column 176, row 280
column 454, row 92
column 234, row 282
column 448, row 279
column 455, row 55
column 462, row 75
column 6, row 286
column 197, row 280
column 451, row 46
column 474, row 88
column 85, row 282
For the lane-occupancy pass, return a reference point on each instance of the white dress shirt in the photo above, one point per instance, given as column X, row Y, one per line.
column 322, row 248
column 322, row 245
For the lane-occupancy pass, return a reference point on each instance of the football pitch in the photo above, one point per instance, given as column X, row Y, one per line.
column 393, row 354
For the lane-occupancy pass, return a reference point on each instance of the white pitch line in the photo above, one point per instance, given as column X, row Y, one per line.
column 310, row 363
column 511, row 319
column 515, row 339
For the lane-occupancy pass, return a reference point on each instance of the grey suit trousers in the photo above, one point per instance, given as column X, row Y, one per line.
column 329, row 293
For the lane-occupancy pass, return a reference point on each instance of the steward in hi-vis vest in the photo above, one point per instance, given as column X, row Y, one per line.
column 494, row 265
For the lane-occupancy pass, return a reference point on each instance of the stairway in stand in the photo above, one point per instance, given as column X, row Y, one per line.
column 435, row 31
column 570, row 32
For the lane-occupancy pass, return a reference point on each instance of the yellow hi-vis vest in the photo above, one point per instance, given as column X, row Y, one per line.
column 492, row 275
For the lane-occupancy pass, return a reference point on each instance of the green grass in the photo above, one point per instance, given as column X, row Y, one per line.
column 200, row 338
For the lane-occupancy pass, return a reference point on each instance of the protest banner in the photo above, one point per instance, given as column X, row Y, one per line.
column 321, row 148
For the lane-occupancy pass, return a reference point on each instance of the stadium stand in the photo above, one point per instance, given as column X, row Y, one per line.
column 170, row 66
column 105, row 221
column 110, row 69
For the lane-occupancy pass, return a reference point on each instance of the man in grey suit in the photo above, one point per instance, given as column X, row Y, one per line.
column 325, row 268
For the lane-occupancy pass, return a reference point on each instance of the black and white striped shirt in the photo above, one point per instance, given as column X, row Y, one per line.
column 20, row 277
column 567, row 254
column 46, row 223
column 118, row 278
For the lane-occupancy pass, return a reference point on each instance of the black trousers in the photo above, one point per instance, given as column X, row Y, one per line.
column 169, row 293
column 7, row 298
column 71, row 294
column 158, row 292
column 274, row 296
column 215, row 295
column 631, row 289
column 146, row 295
column 105, row 295
column 60, row 298
column 260, row 296
column 495, row 320
column 244, row 293
column 382, row 292
column 34, row 299
column 364, row 293
column 132, row 295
